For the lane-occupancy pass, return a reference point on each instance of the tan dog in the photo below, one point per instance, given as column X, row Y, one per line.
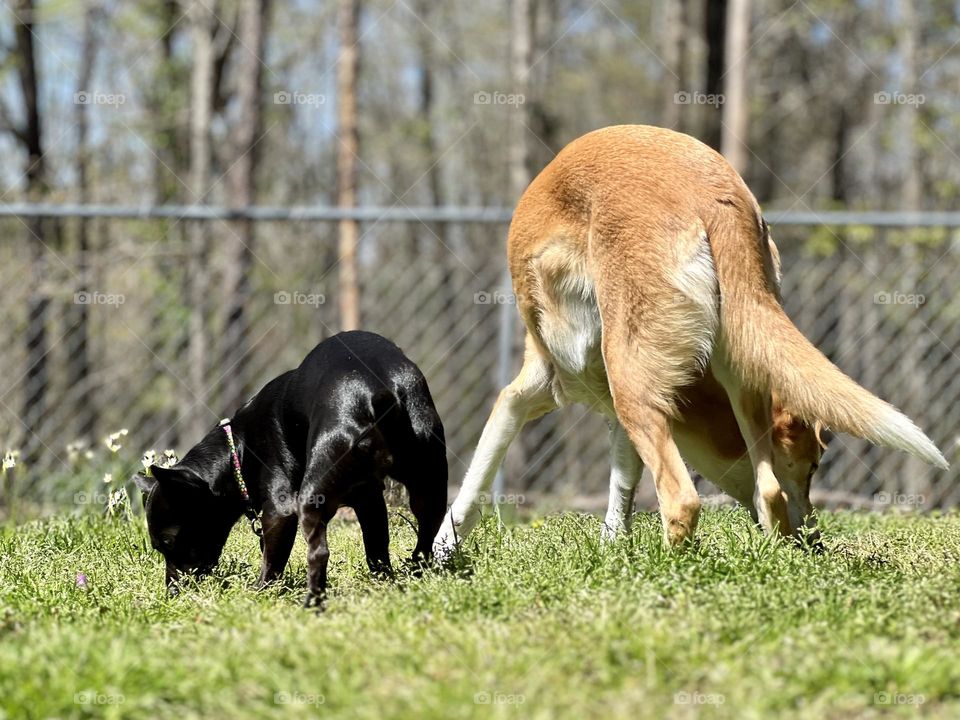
column 646, row 277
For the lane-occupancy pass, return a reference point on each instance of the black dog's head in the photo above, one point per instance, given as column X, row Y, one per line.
column 187, row 522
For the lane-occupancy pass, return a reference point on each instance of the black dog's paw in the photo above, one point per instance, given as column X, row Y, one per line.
column 418, row 564
column 380, row 570
column 314, row 601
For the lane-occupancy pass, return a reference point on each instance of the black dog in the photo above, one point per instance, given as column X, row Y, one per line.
column 315, row 438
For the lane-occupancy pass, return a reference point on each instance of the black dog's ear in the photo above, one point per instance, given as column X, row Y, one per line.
column 145, row 482
column 178, row 478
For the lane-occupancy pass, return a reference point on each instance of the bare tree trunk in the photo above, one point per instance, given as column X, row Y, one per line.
column 441, row 238
column 31, row 138
column 543, row 124
column 201, row 89
column 520, row 58
column 170, row 156
column 715, row 33
column 253, row 19
column 915, row 472
column 347, row 71
column 78, row 362
column 676, row 24
column 733, row 136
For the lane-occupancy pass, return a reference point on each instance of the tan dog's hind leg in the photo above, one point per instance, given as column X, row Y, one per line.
column 649, row 430
column 625, row 470
column 641, row 401
column 754, row 413
column 526, row 398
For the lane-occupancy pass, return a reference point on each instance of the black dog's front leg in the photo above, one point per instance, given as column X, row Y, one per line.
column 279, row 533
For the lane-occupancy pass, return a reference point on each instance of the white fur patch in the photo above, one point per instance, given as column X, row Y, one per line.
column 572, row 331
column 696, row 281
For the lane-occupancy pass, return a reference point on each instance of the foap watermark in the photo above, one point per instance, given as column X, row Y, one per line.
column 92, row 497
column 698, row 698
column 499, row 698
column 93, row 297
column 296, row 297
column 297, row 499
column 87, row 97
column 494, row 297
column 482, row 97
column 685, row 97
column 298, row 698
column 899, row 298
column 905, row 500
column 92, row 697
column 898, row 98
column 288, row 97
column 501, row 499
column 897, row 698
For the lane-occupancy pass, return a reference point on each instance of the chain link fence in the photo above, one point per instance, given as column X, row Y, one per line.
column 98, row 335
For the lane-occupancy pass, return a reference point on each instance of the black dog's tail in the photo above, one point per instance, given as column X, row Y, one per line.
column 408, row 413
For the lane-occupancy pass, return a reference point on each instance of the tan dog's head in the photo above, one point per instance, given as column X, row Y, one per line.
column 797, row 449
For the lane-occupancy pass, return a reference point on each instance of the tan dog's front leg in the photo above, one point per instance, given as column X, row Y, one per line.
column 754, row 413
column 524, row 399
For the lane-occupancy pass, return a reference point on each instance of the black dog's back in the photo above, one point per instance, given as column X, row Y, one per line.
column 368, row 415
column 359, row 377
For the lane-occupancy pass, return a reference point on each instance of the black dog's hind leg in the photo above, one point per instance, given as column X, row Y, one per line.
column 279, row 534
column 371, row 509
column 427, row 486
column 314, row 521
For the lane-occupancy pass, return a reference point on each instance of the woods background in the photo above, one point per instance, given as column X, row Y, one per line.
column 162, row 323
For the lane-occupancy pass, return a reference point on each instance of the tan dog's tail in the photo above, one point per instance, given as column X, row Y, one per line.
column 769, row 353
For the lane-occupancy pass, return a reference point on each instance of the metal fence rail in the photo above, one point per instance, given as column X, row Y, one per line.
column 875, row 291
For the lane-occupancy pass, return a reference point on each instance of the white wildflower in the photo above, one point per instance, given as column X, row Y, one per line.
column 112, row 441
column 149, row 458
column 10, row 459
column 77, row 450
column 116, row 500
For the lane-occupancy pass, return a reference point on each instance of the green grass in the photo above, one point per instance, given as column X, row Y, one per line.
column 543, row 621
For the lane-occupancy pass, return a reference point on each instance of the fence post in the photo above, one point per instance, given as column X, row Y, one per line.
column 508, row 315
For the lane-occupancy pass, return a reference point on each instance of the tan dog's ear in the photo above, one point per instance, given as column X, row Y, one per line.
column 823, row 433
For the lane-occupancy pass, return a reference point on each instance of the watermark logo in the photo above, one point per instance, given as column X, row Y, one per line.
column 501, row 499
column 482, row 97
column 698, row 698
column 298, row 499
column 899, row 298
column 686, row 97
column 895, row 698
column 92, row 297
column 86, row 97
column 907, row 500
column 498, row 698
column 288, row 97
column 92, row 697
column 298, row 698
column 299, row 298
column 496, row 297
column 92, row 497
column 898, row 98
